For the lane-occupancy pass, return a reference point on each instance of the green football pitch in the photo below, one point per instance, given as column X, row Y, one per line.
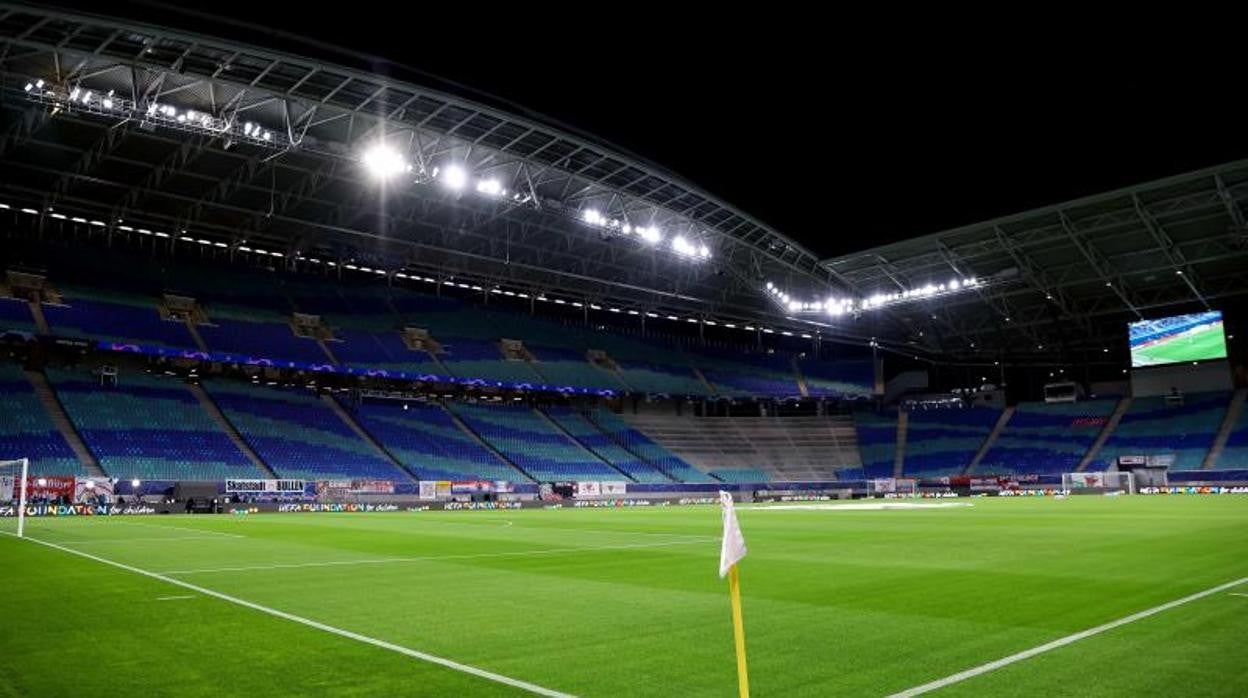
column 627, row 602
column 1206, row 344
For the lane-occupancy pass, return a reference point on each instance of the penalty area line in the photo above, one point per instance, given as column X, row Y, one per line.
column 400, row 649
column 1063, row 641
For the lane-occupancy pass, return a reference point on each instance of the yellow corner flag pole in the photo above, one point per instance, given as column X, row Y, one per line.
column 738, row 631
column 731, row 550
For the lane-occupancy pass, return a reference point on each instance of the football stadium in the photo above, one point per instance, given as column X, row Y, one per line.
column 318, row 378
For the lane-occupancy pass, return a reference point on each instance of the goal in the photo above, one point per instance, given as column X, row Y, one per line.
column 13, row 477
column 1099, row 482
column 892, row 487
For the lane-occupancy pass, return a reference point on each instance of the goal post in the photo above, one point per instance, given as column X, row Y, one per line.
column 1099, row 482
column 16, row 482
column 892, row 487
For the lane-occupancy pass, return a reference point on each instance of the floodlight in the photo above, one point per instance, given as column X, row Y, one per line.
column 382, row 161
column 795, row 306
column 592, row 216
column 489, row 186
column 89, row 485
column 135, row 483
column 30, row 86
column 704, row 251
column 650, row 234
column 455, row 177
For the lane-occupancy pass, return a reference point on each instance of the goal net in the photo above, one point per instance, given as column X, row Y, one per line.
column 13, row 492
column 892, row 487
column 1099, row 482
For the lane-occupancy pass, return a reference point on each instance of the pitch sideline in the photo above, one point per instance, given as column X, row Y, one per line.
column 400, row 649
column 1062, row 641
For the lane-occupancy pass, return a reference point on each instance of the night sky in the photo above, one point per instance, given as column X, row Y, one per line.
column 842, row 137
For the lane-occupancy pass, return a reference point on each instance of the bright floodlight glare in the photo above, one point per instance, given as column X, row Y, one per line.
column 455, row 177
column 704, row 251
column 489, row 186
column 382, row 161
column 89, row 485
column 650, row 234
column 135, row 483
column 592, row 216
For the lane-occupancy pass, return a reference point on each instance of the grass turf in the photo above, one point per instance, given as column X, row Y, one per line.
column 1206, row 344
column 848, row 602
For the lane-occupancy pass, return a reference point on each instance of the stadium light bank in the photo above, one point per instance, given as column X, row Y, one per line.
column 836, row 307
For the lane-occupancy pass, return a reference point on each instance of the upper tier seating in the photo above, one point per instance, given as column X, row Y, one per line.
column 15, row 315
column 1046, row 438
column 428, row 443
column 268, row 339
column 853, row 378
column 148, row 428
column 877, row 442
column 603, row 446
column 561, row 366
column 943, row 442
column 1150, row 427
column 116, row 318
column 26, row 431
column 249, row 311
column 468, row 358
column 744, row 374
column 298, row 435
column 531, row 442
column 382, row 350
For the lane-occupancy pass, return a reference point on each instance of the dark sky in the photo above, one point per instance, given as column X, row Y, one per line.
column 842, row 133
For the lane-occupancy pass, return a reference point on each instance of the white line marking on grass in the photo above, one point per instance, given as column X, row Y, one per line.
column 174, row 598
column 164, row 527
column 137, row 540
column 415, row 654
column 1062, row 642
column 1244, row 595
column 882, row 506
column 428, row 558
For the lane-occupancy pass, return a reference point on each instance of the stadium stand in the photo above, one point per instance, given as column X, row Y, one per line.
column 877, row 442
column 840, row 379
column 15, row 315
column 467, row 358
column 298, row 435
column 261, row 338
column 1046, row 438
column 740, row 374
column 26, row 431
column 942, row 442
column 588, row 435
column 425, row 439
column 1234, row 455
column 382, row 350
column 649, row 450
column 529, row 440
column 1151, row 427
column 786, row 448
column 148, row 428
column 115, row 317
column 563, row 366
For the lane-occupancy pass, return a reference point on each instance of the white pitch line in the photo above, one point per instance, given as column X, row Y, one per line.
column 175, row 598
column 428, row 558
column 400, row 649
column 164, row 527
column 1062, row 642
column 1244, row 595
column 136, row 540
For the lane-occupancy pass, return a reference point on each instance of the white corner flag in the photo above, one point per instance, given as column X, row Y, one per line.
column 730, row 553
column 733, row 547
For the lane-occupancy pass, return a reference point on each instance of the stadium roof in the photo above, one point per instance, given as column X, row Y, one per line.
column 1066, row 278
column 300, row 186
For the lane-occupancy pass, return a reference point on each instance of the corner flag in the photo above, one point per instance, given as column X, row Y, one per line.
column 730, row 553
column 733, row 547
